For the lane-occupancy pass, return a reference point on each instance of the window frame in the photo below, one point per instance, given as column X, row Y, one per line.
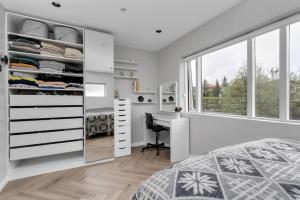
column 284, row 70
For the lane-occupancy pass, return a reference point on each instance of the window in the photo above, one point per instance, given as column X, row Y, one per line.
column 245, row 77
column 192, row 85
column 295, row 71
column 267, row 75
column 95, row 90
column 224, row 80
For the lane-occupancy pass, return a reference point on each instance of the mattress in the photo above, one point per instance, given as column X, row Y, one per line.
column 263, row 169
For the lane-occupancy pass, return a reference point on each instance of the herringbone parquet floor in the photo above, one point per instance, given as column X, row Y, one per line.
column 116, row 180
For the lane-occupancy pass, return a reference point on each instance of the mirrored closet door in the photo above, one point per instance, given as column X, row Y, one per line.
column 99, row 101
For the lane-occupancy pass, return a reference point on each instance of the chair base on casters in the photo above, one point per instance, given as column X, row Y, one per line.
column 156, row 146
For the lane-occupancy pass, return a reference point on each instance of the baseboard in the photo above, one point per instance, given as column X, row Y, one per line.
column 137, row 144
column 3, row 183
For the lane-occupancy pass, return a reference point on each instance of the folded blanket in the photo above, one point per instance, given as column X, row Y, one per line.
column 22, row 80
column 52, row 65
column 74, row 68
column 25, row 75
column 73, row 53
column 24, row 60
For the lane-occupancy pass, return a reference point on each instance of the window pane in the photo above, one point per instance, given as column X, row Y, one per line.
column 193, row 83
column 295, row 71
column 267, row 75
column 224, row 80
column 94, row 90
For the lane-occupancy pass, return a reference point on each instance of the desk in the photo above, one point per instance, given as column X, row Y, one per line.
column 179, row 135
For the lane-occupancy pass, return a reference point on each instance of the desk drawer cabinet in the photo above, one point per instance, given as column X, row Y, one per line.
column 122, row 127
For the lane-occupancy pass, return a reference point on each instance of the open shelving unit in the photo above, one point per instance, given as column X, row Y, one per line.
column 45, row 72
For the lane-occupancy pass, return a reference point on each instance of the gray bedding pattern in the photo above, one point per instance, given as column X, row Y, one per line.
column 99, row 124
column 264, row 169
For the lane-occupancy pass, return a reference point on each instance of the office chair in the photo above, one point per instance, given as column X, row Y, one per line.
column 156, row 129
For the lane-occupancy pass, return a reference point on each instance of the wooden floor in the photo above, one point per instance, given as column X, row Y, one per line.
column 116, row 180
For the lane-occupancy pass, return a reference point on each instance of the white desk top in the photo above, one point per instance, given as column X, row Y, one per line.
column 161, row 117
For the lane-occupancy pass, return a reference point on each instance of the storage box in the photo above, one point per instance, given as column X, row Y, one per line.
column 65, row 34
column 34, row 28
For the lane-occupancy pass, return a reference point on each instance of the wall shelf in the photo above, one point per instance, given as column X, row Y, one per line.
column 126, row 68
column 168, row 93
column 143, row 102
column 45, row 72
column 68, row 44
column 123, row 61
column 145, row 92
column 46, row 57
column 125, row 77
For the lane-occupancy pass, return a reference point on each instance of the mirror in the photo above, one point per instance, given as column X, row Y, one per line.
column 99, row 116
column 168, row 96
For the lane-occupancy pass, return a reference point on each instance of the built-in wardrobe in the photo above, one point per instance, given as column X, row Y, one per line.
column 57, row 102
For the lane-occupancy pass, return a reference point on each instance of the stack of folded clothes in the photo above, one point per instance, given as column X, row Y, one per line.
column 24, row 45
column 74, row 85
column 25, row 75
column 23, row 63
column 52, row 66
column 51, row 84
column 22, row 82
column 73, row 53
column 52, row 49
column 73, row 68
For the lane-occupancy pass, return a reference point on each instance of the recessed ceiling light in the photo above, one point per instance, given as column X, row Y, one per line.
column 56, row 4
column 123, row 9
column 158, row 31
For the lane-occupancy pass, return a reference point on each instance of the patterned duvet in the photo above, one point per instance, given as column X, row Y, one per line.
column 264, row 169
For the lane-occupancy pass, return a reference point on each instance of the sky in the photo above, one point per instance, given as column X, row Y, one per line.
column 228, row 61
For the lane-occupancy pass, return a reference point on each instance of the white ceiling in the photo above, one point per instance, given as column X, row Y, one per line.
column 135, row 27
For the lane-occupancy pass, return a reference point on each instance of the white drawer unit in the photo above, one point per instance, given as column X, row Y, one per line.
column 44, row 150
column 45, row 112
column 45, row 125
column 45, row 100
column 122, row 127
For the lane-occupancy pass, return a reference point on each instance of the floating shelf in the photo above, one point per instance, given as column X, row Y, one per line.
column 126, row 68
column 47, row 89
column 132, row 62
column 125, row 77
column 169, row 102
column 144, row 102
column 45, row 72
column 46, row 57
column 168, row 92
column 68, row 44
column 144, row 92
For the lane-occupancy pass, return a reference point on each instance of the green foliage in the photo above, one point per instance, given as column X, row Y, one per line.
column 217, row 89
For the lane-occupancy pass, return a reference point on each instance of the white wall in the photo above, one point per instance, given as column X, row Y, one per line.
column 147, row 72
column 205, row 135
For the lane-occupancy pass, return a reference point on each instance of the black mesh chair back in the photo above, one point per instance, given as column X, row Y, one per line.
column 149, row 120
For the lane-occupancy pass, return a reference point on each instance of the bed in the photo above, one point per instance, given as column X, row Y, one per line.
column 99, row 122
column 262, row 170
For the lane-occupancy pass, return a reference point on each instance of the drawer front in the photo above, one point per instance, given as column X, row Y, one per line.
column 45, row 100
column 122, row 111
column 122, row 107
column 45, row 125
column 122, row 120
column 44, row 150
column 122, row 136
column 119, row 116
column 122, row 143
column 122, row 101
column 46, row 137
column 122, row 151
column 40, row 113
column 122, row 128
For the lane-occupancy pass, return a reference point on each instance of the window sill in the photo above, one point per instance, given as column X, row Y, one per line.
column 258, row 119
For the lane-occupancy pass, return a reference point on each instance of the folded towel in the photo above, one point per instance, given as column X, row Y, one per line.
column 73, row 53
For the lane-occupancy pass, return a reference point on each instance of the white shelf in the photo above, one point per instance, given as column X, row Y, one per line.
column 169, row 102
column 68, row 44
column 132, row 62
column 168, row 92
column 45, row 72
column 144, row 92
column 125, row 77
column 47, row 89
column 126, row 68
column 143, row 102
column 46, row 57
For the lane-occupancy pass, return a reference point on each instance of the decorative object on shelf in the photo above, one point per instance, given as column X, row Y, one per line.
column 177, row 112
column 164, row 100
column 171, row 99
column 149, row 100
column 137, row 85
column 117, row 94
column 141, row 99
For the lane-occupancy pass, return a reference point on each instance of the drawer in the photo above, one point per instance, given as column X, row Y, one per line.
column 122, row 151
column 122, row 107
column 122, row 101
column 45, row 125
column 122, row 143
column 122, row 111
column 45, row 100
column 40, row 112
column 122, row 122
column 46, row 137
column 45, row 150
column 122, row 136
column 122, row 128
